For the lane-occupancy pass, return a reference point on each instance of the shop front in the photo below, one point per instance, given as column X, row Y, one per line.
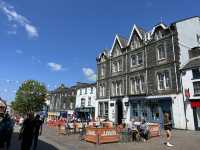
column 195, row 104
column 151, row 109
column 85, row 113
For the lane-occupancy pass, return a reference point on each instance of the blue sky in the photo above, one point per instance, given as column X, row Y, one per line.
column 57, row 41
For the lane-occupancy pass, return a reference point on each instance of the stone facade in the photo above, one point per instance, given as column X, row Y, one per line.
column 62, row 99
column 145, row 66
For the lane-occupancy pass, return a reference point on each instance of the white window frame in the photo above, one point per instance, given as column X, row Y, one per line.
column 137, row 86
column 158, row 51
column 163, row 72
column 196, row 88
column 89, row 101
column 136, row 55
column 83, row 102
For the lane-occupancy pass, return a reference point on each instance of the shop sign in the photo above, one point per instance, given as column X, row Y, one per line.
column 195, row 104
column 109, row 133
column 90, row 132
column 187, row 93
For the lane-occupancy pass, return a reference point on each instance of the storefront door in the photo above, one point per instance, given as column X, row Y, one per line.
column 119, row 108
column 197, row 118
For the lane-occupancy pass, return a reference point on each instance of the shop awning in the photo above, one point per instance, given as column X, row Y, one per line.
column 85, row 109
column 149, row 98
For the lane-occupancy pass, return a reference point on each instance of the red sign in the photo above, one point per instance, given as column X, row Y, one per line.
column 195, row 104
column 187, row 93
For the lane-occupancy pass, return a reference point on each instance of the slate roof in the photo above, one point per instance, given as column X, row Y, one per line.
column 193, row 63
column 123, row 41
column 142, row 32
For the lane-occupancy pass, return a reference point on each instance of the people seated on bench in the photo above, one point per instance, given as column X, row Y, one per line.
column 144, row 130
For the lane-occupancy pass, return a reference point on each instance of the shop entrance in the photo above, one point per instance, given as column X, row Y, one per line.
column 197, row 117
column 119, row 110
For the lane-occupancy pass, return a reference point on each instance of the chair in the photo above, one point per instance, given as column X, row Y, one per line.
column 135, row 135
column 69, row 128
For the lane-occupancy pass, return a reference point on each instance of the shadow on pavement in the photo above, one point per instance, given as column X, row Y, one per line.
column 15, row 144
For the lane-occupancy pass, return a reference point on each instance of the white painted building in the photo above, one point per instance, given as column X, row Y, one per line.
column 86, row 100
column 191, row 92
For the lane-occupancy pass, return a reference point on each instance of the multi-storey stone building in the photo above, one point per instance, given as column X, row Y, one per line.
column 139, row 76
column 61, row 100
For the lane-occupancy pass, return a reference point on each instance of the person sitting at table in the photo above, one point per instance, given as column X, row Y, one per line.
column 144, row 130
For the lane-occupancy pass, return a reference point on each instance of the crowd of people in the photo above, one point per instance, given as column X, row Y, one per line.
column 30, row 129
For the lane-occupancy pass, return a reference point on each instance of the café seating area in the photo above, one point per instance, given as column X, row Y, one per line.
column 105, row 131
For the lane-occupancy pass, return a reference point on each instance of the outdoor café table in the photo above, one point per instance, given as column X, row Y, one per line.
column 101, row 135
column 154, row 129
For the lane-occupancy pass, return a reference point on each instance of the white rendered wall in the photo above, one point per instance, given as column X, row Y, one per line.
column 86, row 97
column 187, row 83
column 178, row 112
column 187, row 37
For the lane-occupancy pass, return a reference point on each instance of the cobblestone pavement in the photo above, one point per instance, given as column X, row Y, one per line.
column 50, row 140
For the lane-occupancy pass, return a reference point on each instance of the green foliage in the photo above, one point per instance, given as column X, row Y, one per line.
column 30, row 97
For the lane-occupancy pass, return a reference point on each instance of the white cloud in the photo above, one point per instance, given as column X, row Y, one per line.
column 54, row 66
column 19, row 51
column 89, row 73
column 17, row 18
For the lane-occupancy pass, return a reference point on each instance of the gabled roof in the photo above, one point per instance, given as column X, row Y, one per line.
column 193, row 63
column 104, row 53
column 158, row 25
column 121, row 40
column 141, row 32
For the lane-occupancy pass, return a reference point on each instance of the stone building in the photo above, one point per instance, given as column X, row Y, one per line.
column 140, row 77
column 61, row 100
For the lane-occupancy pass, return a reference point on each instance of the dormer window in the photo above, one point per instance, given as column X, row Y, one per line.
column 102, row 70
column 158, row 35
column 135, row 43
column 117, row 51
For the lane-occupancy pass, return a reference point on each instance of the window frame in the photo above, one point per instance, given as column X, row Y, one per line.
column 196, row 88
column 158, row 51
column 163, row 73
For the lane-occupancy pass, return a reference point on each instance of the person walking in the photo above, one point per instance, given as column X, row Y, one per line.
column 6, row 130
column 26, row 132
column 168, row 128
column 37, row 130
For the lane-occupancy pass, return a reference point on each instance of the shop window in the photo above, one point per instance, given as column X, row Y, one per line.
column 106, row 109
column 100, row 109
column 135, row 110
column 103, row 109
column 155, row 112
column 196, row 73
column 196, row 88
